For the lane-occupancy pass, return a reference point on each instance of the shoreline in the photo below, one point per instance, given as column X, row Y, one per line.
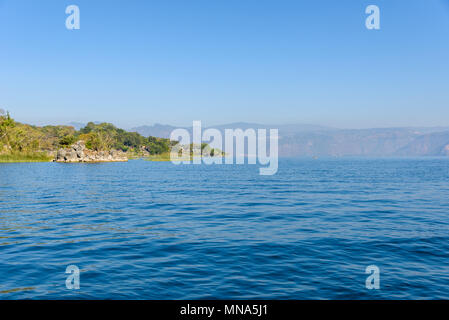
column 154, row 158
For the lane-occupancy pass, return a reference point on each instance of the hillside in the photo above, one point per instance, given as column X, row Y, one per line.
column 388, row 142
column 22, row 142
column 432, row 144
column 303, row 140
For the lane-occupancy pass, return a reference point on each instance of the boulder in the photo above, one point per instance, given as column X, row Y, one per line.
column 79, row 153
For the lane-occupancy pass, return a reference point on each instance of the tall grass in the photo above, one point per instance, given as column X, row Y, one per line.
column 25, row 157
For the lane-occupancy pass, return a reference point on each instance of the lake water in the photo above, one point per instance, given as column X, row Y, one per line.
column 153, row 230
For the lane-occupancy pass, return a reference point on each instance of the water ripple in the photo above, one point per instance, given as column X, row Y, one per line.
column 152, row 230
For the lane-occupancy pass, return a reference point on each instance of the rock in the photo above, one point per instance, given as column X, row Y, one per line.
column 71, row 156
column 79, row 146
column 79, row 153
column 61, row 154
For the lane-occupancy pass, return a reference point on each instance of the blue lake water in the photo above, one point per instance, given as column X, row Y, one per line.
column 153, row 230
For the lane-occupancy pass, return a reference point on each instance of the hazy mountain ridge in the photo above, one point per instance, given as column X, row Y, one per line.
column 374, row 142
column 163, row 131
column 432, row 144
column 310, row 140
column 156, row 130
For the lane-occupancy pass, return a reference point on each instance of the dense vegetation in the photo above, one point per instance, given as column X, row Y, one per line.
column 25, row 142
column 106, row 136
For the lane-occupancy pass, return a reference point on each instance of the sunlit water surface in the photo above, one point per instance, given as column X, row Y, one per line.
column 153, row 230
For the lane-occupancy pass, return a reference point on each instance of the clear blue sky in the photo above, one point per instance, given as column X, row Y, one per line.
column 219, row 61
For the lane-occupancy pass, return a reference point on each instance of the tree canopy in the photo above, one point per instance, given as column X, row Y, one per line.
column 18, row 137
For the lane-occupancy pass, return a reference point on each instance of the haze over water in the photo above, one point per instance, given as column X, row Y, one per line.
column 153, row 230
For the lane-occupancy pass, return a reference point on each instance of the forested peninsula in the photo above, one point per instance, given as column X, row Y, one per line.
column 94, row 143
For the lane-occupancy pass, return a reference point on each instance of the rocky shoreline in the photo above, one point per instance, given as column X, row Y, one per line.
column 79, row 153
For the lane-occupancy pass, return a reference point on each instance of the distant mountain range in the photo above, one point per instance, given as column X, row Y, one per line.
column 156, row 130
column 163, row 131
column 311, row 140
column 408, row 142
